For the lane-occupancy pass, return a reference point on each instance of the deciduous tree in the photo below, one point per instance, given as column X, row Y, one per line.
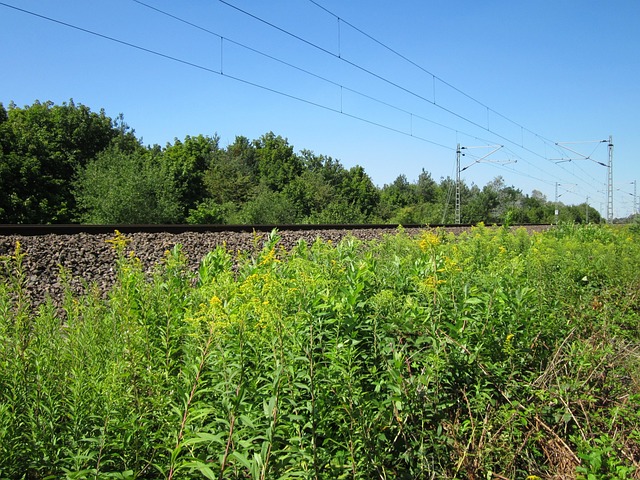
column 120, row 187
column 42, row 148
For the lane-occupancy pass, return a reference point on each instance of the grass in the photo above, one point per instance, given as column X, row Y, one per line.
column 493, row 354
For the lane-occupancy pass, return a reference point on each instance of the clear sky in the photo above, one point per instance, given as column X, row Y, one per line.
column 392, row 86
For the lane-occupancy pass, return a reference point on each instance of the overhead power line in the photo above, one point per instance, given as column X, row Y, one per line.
column 412, row 115
column 307, row 72
column 232, row 77
column 220, row 72
column 545, row 140
column 423, row 69
column 369, row 72
column 112, row 39
column 342, row 87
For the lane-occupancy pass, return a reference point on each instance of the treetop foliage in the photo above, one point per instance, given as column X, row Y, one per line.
column 65, row 163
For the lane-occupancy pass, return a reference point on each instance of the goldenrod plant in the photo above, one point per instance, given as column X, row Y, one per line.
column 492, row 354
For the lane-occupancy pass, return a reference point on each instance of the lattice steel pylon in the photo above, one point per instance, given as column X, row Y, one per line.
column 459, row 153
column 610, row 182
column 457, row 219
column 609, row 167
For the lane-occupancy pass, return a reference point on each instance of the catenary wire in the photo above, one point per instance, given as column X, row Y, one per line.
column 271, row 57
column 210, row 70
column 423, row 69
column 254, row 84
column 394, row 84
column 315, row 75
column 326, row 51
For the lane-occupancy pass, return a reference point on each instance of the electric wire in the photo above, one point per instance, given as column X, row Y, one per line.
column 435, row 77
column 297, row 98
column 400, row 87
column 315, row 75
column 423, row 69
column 305, row 71
column 170, row 57
column 369, row 97
column 396, row 85
column 369, row 72
column 239, row 79
column 113, row 39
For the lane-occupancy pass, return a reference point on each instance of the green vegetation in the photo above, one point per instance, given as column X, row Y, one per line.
column 64, row 163
column 494, row 354
column 42, row 147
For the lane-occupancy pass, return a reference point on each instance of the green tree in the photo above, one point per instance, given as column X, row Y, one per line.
column 309, row 193
column 188, row 162
column 331, row 170
column 316, row 187
column 211, row 212
column 400, row 193
column 338, row 212
column 358, row 191
column 268, row 207
column 277, row 163
column 478, row 205
column 533, row 209
column 426, row 188
column 120, row 187
column 231, row 175
column 43, row 146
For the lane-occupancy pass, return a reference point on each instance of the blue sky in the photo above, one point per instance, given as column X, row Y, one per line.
column 524, row 75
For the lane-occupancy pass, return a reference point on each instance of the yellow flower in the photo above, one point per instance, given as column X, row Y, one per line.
column 432, row 282
column 451, row 265
column 508, row 346
column 428, row 241
column 119, row 242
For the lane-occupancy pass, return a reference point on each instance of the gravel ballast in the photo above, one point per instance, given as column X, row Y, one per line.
column 89, row 259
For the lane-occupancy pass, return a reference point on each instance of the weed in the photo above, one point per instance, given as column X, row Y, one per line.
column 492, row 354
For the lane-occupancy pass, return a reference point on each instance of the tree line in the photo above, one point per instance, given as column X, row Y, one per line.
column 67, row 164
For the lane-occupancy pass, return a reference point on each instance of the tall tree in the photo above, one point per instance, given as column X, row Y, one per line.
column 400, row 193
column 277, row 163
column 187, row 162
column 43, row 147
column 426, row 188
column 231, row 175
column 268, row 207
column 358, row 190
column 316, row 187
column 122, row 187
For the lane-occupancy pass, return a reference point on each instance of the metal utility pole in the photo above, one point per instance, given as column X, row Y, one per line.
column 587, row 211
column 610, row 183
column 457, row 219
column 588, row 157
column 557, row 209
column 458, row 170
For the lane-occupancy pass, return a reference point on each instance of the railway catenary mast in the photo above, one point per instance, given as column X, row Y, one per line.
column 610, row 182
column 459, row 153
column 608, row 165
